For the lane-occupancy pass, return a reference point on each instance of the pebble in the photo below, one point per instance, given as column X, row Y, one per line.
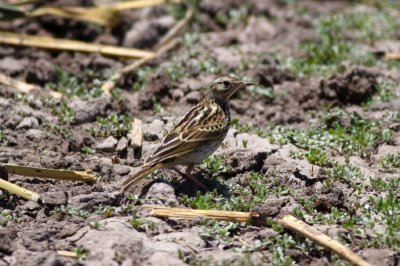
column 28, row 122
column 107, row 145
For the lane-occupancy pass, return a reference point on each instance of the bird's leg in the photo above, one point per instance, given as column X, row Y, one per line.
column 188, row 176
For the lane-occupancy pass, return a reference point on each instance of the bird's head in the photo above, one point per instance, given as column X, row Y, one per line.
column 224, row 87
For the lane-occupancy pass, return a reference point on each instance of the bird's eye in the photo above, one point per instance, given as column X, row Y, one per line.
column 226, row 83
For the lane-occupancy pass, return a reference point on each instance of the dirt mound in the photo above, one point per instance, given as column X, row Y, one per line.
column 354, row 87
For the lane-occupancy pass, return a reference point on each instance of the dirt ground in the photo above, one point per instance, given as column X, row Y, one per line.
column 317, row 137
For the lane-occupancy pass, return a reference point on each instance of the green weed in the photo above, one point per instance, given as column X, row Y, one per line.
column 87, row 150
column 110, row 211
column 340, row 38
column 391, row 161
column 81, row 253
column 72, row 86
column 114, row 125
column 5, row 217
column 65, row 113
column 357, row 137
column 220, row 231
column 70, row 211
column 242, row 198
column 3, row 139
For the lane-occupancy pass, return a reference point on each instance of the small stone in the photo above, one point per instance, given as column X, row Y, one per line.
column 107, row 145
column 3, row 172
column 163, row 192
column 87, row 111
column 153, row 131
column 177, row 94
column 30, row 206
column 53, row 199
column 34, row 134
column 381, row 257
column 121, row 169
column 122, row 145
column 89, row 201
column 145, row 33
column 194, row 97
column 28, row 122
column 12, row 65
column 12, row 141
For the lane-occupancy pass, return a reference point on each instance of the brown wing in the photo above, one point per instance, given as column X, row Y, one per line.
column 201, row 124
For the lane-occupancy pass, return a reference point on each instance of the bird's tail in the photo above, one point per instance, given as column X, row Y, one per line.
column 131, row 181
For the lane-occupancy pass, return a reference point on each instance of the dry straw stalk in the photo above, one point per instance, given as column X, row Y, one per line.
column 391, row 56
column 20, row 191
column 288, row 221
column 126, row 5
column 69, row 45
column 205, row 214
column 24, row 87
column 103, row 16
column 136, row 135
column 66, row 253
column 292, row 223
column 51, row 173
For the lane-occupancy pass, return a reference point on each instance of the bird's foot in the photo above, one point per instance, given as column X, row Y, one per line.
column 191, row 178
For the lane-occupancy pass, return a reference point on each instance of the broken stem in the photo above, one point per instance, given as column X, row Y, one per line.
column 24, row 87
column 206, row 214
column 136, row 135
column 20, row 191
column 298, row 226
column 51, row 173
column 71, row 45
column 66, row 253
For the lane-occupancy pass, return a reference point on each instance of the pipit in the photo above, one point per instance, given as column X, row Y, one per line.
column 196, row 135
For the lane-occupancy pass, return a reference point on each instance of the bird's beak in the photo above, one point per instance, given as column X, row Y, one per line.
column 244, row 84
column 239, row 85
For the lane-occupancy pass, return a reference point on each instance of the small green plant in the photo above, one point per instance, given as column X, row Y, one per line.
column 114, row 125
column 176, row 70
column 386, row 91
column 87, row 150
column 263, row 91
column 280, row 259
column 3, row 139
column 357, row 137
column 96, row 225
column 296, row 155
column 157, row 108
column 70, row 211
column 340, row 37
column 65, row 113
column 81, row 253
column 110, row 211
column 317, row 156
column 142, row 75
column 58, row 130
column 242, row 128
column 215, row 165
column 142, row 224
column 344, row 172
column 72, row 86
column 5, row 217
column 220, row 231
column 391, row 161
column 380, row 184
column 242, row 198
column 234, row 16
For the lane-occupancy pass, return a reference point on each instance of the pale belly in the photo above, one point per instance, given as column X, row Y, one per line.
column 199, row 154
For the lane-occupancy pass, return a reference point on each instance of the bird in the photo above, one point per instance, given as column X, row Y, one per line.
column 195, row 136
